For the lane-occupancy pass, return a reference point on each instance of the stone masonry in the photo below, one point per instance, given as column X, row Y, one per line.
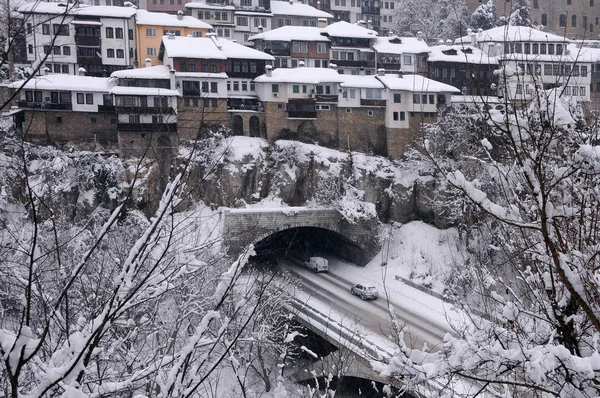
column 242, row 228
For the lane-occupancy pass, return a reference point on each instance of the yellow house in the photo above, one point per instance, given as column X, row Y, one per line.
column 152, row 26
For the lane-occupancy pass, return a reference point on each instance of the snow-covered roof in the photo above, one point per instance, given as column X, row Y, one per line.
column 144, row 17
column 42, row 7
column 361, row 81
column 347, row 29
column 204, row 6
column 584, row 54
column 301, row 75
column 400, row 45
column 209, row 48
column 64, row 82
column 510, row 33
column 297, row 9
column 464, row 54
column 123, row 90
column 153, row 72
column 289, row 33
column 416, row 83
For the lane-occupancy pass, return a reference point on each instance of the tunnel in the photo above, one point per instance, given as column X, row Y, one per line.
column 304, row 242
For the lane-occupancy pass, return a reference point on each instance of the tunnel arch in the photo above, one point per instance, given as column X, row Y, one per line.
column 303, row 241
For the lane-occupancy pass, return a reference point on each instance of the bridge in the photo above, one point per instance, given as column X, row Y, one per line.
column 356, row 242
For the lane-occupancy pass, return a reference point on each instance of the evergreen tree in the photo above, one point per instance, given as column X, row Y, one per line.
column 485, row 16
column 521, row 13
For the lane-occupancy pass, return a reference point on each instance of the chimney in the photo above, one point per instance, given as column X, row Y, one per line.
column 301, row 64
column 380, row 72
column 332, row 65
column 322, row 23
column 81, row 71
column 369, row 24
column 480, row 32
column 261, row 28
column 361, row 23
column 213, row 38
column 172, row 84
column 400, row 74
column 269, row 71
column 148, row 62
column 171, row 36
column 420, row 36
column 180, row 15
column 318, row 4
column 473, row 39
column 46, row 70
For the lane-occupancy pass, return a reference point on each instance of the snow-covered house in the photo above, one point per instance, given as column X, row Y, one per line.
column 406, row 54
column 61, row 109
column 99, row 39
column 351, row 47
column 293, row 13
column 293, row 44
column 465, row 67
column 145, row 104
column 345, row 10
column 532, row 59
column 215, row 77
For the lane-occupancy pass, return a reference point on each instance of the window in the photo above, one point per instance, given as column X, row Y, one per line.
column 150, row 32
column 416, row 99
column 197, row 34
column 213, row 87
column 535, row 48
column 134, row 119
column 575, row 90
column 275, row 88
column 89, row 99
column 109, row 33
column 46, row 49
column 56, row 50
column 424, row 98
column 402, row 114
column 242, row 21
column 110, row 53
column 65, row 69
column 369, row 113
column 543, row 48
column 545, row 19
column 80, row 98
column 584, row 23
column 46, row 29
column 559, row 49
column 582, row 91
column 591, row 3
column 119, row 33
column 519, row 89
column 30, row 49
column 151, row 52
column 321, row 48
column 431, row 99
column 130, row 34
column 38, row 96
column 567, row 91
column 536, row 4
column 92, row 120
column 562, row 21
column 584, row 71
column 397, row 98
column 61, row 29
column 236, row 86
column 407, row 59
column 396, row 116
column 551, row 49
column 300, row 47
column 120, row 53
column 296, row 88
column 205, row 87
column 59, row 119
column 56, row 68
column 66, row 50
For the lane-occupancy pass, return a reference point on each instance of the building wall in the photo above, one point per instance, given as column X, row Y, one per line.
column 362, row 129
column 400, row 140
column 553, row 9
column 190, row 118
column 65, row 127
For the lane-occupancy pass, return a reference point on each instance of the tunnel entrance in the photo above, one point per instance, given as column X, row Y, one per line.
column 304, row 242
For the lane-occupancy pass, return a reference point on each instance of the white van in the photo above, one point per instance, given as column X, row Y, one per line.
column 317, row 264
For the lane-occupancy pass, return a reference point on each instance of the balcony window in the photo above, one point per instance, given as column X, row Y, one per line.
column 66, row 50
column 214, row 87
column 242, row 21
column 416, row 99
column 373, row 93
column 65, row 97
column 300, row 47
column 89, row 99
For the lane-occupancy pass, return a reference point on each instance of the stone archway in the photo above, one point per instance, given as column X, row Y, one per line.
column 238, row 125
column 254, row 126
column 307, row 132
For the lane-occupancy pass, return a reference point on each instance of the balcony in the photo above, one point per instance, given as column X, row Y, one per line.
column 281, row 52
column 302, row 114
column 372, row 102
column 90, row 41
column 106, row 109
column 356, row 64
column 326, row 98
column 152, row 127
column 370, row 10
column 150, row 110
column 45, row 105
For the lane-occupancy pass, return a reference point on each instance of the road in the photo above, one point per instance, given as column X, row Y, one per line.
column 331, row 290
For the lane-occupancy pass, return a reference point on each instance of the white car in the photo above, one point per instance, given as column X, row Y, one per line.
column 364, row 292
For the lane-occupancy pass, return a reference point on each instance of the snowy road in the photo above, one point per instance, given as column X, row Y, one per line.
column 330, row 292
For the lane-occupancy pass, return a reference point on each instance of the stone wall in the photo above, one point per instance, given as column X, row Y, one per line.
column 160, row 145
column 79, row 128
column 363, row 129
column 190, row 117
